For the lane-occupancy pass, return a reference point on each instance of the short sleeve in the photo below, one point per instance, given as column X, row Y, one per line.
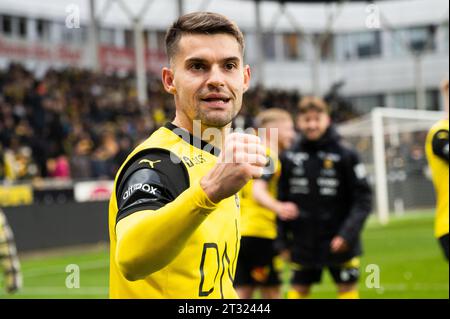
column 150, row 180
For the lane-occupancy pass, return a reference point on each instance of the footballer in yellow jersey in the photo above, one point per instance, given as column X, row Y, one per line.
column 437, row 150
column 259, row 210
column 174, row 215
column 156, row 173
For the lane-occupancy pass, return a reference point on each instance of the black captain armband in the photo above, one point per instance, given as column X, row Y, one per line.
column 440, row 144
column 268, row 170
column 149, row 181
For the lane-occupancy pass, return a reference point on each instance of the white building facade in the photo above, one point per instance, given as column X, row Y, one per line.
column 384, row 53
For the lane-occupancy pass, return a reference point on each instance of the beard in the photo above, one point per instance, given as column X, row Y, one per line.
column 215, row 118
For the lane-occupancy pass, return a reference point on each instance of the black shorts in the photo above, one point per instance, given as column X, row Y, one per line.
column 346, row 273
column 444, row 244
column 255, row 266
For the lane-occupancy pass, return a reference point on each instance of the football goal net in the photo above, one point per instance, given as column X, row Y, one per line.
column 391, row 143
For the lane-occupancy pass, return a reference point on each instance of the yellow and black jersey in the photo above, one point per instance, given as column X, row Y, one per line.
column 256, row 220
column 167, row 165
column 437, row 149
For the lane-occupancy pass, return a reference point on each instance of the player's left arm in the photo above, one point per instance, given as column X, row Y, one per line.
column 261, row 194
column 440, row 145
column 361, row 198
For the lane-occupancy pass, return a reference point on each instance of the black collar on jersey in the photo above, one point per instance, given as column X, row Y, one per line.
column 193, row 140
column 330, row 136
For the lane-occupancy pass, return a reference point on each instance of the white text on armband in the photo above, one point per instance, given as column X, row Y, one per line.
column 144, row 187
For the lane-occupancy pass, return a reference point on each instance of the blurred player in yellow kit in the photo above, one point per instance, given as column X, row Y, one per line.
column 259, row 211
column 9, row 261
column 174, row 217
column 437, row 149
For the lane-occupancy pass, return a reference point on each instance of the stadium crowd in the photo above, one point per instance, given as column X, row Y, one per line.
column 74, row 123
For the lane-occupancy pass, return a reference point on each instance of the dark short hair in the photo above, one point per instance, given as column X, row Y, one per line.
column 312, row 103
column 201, row 23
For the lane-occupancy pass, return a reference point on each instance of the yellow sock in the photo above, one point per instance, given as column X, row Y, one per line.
column 353, row 294
column 294, row 294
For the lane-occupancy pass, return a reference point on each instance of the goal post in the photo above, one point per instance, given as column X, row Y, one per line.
column 391, row 143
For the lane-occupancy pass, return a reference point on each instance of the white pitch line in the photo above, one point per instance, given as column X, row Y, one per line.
column 62, row 292
column 61, row 269
column 396, row 287
column 66, row 292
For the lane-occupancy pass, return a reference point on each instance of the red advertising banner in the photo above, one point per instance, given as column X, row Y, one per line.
column 110, row 58
column 21, row 50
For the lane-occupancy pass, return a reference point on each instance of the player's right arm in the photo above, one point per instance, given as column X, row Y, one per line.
column 153, row 229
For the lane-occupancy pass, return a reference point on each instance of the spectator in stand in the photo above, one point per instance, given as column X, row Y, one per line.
column 59, row 167
column 52, row 114
column 80, row 161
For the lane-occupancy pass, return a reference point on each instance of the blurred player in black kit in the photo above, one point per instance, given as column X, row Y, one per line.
column 327, row 181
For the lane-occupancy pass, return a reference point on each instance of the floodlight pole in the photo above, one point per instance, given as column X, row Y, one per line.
column 418, row 78
column 315, row 66
column 259, row 44
column 316, row 43
column 204, row 5
column 139, row 51
column 180, row 7
column 93, row 37
column 417, row 57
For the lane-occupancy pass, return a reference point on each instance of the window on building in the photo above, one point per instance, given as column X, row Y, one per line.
column 358, row 45
column 129, row 39
column 145, row 39
column 404, row 100
column 445, row 42
column 67, row 34
column 43, row 29
column 422, row 38
column 399, row 42
column 75, row 35
column 22, row 27
column 246, row 47
column 161, row 41
column 106, row 36
column 342, row 47
column 416, row 39
column 7, row 25
column 369, row 44
column 365, row 103
column 327, row 49
column 408, row 100
column 269, row 46
column 432, row 99
column 84, row 34
column 291, row 46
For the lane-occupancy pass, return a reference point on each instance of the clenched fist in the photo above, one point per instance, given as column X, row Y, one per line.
column 243, row 157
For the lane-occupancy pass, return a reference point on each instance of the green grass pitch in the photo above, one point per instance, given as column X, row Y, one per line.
column 410, row 261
